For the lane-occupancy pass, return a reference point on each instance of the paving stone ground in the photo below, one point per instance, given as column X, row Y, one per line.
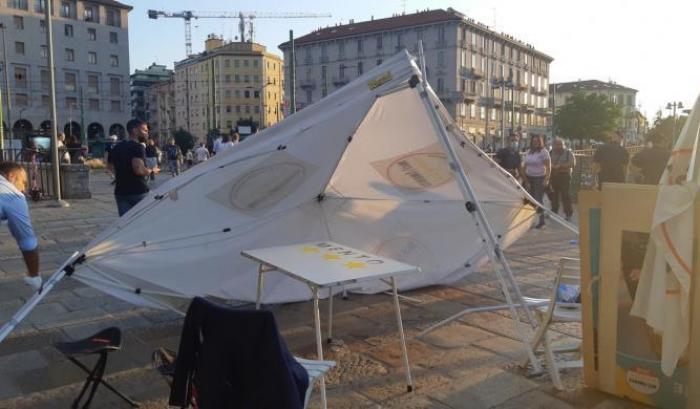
column 470, row 363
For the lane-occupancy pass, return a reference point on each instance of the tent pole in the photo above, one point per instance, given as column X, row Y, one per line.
column 488, row 236
column 22, row 313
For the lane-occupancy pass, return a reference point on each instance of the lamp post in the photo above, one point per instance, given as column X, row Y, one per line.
column 672, row 106
column 8, row 93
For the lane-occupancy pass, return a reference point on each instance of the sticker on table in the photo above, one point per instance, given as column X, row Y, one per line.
column 333, row 253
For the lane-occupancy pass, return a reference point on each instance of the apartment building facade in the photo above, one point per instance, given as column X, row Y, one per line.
column 159, row 108
column 228, row 83
column 91, row 54
column 632, row 124
column 481, row 76
column 139, row 81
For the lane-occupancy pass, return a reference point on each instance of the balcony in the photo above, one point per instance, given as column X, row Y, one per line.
column 543, row 111
column 457, row 96
column 307, row 83
column 340, row 81
column 471, row 73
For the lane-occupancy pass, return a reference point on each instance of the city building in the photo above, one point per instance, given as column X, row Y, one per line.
column 160, row 109
column 226, row 85
column 139, row 81
column 91, row 54
column 480, row 75
column 631, row 123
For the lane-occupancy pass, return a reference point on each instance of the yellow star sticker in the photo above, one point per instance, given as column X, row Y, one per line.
column 331, row 256
column 310, row 249
column 355, row 264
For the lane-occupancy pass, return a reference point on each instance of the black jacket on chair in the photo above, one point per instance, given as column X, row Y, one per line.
column 236, row 359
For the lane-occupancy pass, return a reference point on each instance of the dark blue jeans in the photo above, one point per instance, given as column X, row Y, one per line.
column 126, row 202
column 536, row 190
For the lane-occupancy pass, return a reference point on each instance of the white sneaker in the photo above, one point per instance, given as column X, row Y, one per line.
column 34, row 282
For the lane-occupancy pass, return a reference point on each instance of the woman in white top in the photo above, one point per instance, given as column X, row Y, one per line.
column 536, row 168
column 225, row 144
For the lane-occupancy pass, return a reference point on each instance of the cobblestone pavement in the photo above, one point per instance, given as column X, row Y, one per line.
column 470, row 363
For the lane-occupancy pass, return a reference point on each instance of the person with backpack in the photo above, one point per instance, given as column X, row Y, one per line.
column 173, row 155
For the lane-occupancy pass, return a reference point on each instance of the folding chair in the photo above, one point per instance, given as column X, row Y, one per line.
column 103, row 343
column 315, row 369
column 559, row 310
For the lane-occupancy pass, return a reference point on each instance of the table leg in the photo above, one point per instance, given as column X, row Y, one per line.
column 409, row 381
column 330, row 315
column 319, row 345
column 258, row 298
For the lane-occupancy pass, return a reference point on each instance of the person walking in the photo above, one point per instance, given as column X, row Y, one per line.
column 509, row 157
column 226, row 144
column 201, row 154
column 563, row 162
column 127, row 161
column 151, row 157
column 15, row 210
column 652, row 160
column 610, row 161
column 536, row 169
column 173, row 155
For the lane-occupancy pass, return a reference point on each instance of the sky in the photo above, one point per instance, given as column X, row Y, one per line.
column 639, row 44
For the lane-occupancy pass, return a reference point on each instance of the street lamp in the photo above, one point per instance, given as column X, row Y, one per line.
column 672, row 106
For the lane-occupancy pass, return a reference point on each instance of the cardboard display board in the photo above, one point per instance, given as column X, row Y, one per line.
column 621, row 352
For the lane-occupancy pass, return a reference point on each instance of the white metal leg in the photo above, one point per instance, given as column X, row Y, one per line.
column 319, row 345
column 345, row 293
column 407, row 367
column 258, row 298
column 330, row 315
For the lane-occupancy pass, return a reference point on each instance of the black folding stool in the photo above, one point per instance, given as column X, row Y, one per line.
column 102, row 343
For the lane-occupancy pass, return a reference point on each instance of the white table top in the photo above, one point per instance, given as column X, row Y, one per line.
column 326, row 264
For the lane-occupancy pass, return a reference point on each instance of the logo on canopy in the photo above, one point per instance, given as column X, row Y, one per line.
column 265, row 185
column 423, row 169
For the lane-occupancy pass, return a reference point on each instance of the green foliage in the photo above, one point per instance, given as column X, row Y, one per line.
column 662, row 131
column 586, row 117
column 183, row 139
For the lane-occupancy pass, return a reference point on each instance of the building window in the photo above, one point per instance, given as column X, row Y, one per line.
column 238, row 93
column 227, row 63
column 92, row 57
column 441, row 58
column 246, row 78
column 70, row 81
column 45, row 101
column 44, row 79
column 379, row 42
column 18, row 22
column 113, row 17
column 91, row 14
column 256, row 94
column 246, row 94
column 71, row 102
column 441, row 34
column 247, row 109
column 92, row 34
column 440, row 84
column 70, row 55
column 236, row 78
column 18, row 4
column 21, row 100
column 19, row 48
column 359, row 46
column 379, row 61
column 20, row 77
column 114, row 60
column 245, row 63
column 93, row 104
column 42, row 26
column 255, row 63
column 66, row 9
column 238, row 109
column 359, row 68
column 115, row 87
column 43, row 52
column 113, row 37
column 227, row 78
column 115, row 106
column 256, row 78
column 236, row 63
column 93, row 83
column 68, row 30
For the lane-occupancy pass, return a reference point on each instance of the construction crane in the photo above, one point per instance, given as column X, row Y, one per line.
column 245, row 19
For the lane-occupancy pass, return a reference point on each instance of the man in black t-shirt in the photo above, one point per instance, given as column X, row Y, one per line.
column 127, row 160
column 652, row 161
column 610, row 161
column 509, row 157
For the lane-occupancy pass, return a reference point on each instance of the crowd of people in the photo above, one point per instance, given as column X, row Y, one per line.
column 548, row 172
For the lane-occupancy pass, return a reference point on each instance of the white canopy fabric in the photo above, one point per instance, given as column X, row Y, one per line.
column 363, row 167
column 663, row 293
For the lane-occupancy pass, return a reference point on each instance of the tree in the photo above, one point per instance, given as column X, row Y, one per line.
column 586, row 117
column 662, row 131
column 183, row 139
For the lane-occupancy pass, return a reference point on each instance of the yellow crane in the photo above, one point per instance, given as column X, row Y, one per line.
column 245, row 19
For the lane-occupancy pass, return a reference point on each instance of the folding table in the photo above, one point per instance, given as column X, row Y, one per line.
column 329, row 265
